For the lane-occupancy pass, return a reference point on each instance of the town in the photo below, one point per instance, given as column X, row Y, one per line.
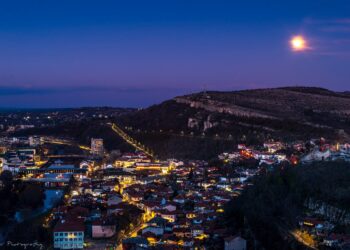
column 99, row 199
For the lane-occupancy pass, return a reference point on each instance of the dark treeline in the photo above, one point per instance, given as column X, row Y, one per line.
column 15, row 195
column 271, row 207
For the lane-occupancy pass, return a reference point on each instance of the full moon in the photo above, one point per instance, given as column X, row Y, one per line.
column 298, row 43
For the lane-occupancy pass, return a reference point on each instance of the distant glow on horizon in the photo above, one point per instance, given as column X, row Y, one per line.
column 298, row 43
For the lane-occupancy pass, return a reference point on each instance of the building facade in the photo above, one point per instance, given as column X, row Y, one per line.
column 97, row 146
column 69, row 235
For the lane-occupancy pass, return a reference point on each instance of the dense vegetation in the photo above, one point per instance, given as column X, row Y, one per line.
column 15, row 194
column 272, row 206
column 29, row 232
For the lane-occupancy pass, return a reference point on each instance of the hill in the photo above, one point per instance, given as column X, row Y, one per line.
column 202, row 125
column 248, row 116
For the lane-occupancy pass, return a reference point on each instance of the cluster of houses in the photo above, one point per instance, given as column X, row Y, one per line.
column 323, row 231
column 91, row 211
column 174, row 205
column 17, row 153
column 15, row 160
column 20, row 153
column 269, row 154
column 140, row 203
column 328, row 152
column 169, row 205
column 181, row 204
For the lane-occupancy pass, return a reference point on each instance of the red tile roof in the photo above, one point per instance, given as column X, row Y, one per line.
column 76, row 225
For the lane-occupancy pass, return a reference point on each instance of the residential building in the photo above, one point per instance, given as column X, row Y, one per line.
column 97, row 146
column 69, row 234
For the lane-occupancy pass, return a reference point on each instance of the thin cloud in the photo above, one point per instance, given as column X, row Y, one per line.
column 315, row 21
column 342, row 21
column 336, row 29
column 330, row 37
column 333, row 53
column 340, row 41
column 338, row 25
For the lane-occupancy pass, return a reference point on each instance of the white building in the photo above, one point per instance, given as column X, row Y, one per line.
column 97, row 146
column 69, row 234
column 34, row 141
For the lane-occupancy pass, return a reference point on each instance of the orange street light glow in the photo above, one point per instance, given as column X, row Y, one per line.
column 298, row 43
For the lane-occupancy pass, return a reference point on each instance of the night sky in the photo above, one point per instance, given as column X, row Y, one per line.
column 137, row 53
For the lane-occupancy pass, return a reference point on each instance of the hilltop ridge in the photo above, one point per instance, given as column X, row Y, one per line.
column 248, row 116
column 310, row 106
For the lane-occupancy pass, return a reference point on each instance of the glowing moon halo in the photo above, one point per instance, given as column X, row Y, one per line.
column 298, row 43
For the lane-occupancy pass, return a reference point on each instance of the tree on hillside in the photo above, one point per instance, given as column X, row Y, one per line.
column 32, row 196
column 6, row 179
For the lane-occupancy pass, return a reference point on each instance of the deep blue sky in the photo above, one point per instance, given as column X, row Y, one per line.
column 136, row 53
